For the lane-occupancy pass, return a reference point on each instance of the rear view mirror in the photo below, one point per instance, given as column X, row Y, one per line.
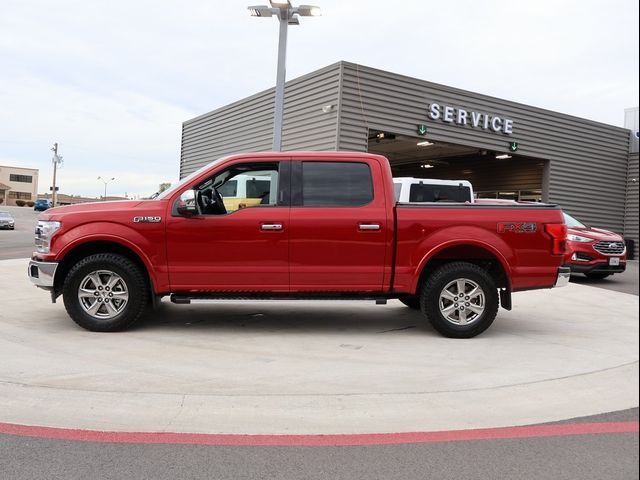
column 187, row 204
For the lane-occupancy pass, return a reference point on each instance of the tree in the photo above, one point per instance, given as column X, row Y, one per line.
column 163, row 186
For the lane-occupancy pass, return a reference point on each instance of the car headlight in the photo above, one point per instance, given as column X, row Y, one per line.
column 44, row 232
column 578, row 238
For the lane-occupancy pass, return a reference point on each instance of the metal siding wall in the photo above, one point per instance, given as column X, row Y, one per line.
column 487, row 174
column 588, row 159
column 247, row 125
column 631, row 206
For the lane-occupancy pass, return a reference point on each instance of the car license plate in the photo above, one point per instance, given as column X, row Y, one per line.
column 614, row 262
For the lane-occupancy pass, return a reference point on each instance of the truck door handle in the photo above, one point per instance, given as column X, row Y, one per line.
column 368, row 226
column 271, row 226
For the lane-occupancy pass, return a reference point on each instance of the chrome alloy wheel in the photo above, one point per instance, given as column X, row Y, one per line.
column 462, row 301
column 103, row 294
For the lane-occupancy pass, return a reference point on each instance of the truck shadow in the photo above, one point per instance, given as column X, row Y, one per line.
column 287, row 318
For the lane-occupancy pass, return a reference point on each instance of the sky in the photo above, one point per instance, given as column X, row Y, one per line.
column 112, row 81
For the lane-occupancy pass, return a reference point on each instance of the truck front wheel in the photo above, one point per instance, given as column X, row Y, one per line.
column 105, row 292
column 460, row 300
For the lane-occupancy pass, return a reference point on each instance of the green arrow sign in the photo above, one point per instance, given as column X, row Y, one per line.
column 513, row 146
column 422, row 129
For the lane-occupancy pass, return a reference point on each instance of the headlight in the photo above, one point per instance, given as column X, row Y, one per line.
column 578, row 238
column 44, row 232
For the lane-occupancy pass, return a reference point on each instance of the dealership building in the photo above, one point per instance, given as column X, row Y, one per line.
column 505, row 149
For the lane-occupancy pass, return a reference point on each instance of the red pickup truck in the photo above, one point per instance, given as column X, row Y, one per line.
column 311, row 225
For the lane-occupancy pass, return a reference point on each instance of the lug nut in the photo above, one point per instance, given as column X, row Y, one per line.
column 99, row 300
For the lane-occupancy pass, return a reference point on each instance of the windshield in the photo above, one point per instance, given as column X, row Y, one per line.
column 4, row 215
column 572, row 222
column 169, row 191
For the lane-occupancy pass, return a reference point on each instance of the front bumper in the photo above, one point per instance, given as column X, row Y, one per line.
column 42, row 274
column 564, row 274
column 598, row 268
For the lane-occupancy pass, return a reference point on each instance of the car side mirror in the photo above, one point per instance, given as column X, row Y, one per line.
column 186, row 205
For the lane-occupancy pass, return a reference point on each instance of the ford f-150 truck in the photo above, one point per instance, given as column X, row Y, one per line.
column 327, row 227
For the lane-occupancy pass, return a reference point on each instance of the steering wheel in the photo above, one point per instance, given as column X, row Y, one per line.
column 218, row 202
column 204, row 202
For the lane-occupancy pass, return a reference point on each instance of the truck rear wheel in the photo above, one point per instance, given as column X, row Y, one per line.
column 460, row 299
column 105, row 292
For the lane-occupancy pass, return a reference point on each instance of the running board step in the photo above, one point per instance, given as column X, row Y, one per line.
column 182, row 299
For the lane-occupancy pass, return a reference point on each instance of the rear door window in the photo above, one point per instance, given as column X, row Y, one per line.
column 336, row 184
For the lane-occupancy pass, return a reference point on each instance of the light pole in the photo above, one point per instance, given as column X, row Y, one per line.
column 56, row 160
column 287, row 15
column 105, row 186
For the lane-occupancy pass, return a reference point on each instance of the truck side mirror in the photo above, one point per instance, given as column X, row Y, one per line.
column 186, row 205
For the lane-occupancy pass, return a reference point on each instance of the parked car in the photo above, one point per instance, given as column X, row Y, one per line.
column 7, row 221
column 330, row 228
column 246, row 190
column 419, row 190
column 41, row 205
column 595, row 252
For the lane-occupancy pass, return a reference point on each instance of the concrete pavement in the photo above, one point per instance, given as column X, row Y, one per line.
column 315, row 367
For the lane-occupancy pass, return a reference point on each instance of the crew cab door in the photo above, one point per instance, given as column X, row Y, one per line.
column 241, row 247
column 338, row 226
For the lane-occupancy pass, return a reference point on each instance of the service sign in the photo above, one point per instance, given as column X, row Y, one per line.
column 462, row 117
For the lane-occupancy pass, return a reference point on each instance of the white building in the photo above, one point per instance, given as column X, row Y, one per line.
column 18, row 183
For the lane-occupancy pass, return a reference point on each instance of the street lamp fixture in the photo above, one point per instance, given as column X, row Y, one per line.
column 287, row 15
column 105, row 186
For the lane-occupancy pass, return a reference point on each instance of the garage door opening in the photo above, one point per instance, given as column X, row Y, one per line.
column 492, row 174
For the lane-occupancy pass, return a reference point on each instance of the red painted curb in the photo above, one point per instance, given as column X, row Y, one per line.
column 535, row 431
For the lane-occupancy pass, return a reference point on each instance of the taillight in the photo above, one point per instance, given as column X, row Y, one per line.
column 558, row 233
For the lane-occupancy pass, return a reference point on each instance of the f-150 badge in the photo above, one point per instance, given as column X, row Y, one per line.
column 147, row 219
column 511, row 227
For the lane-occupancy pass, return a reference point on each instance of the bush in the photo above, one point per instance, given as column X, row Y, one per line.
column 1, row 201
column 21, row 203
column 30, row 204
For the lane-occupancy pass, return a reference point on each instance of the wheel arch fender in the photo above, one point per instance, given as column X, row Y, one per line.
column 459, row 246
column 101, row 243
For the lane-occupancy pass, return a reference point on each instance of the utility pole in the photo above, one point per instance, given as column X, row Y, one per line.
column 56, row 160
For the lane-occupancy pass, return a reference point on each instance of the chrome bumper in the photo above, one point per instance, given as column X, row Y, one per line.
column 564, row 274
column 42, row 274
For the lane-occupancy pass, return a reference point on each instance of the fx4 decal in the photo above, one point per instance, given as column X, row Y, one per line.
column 512, row 227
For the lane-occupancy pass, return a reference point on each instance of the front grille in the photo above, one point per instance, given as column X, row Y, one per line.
column 609, row 248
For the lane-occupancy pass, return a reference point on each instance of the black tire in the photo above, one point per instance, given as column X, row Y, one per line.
column 471, row 274
column 132, row 283
column 597, row 275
